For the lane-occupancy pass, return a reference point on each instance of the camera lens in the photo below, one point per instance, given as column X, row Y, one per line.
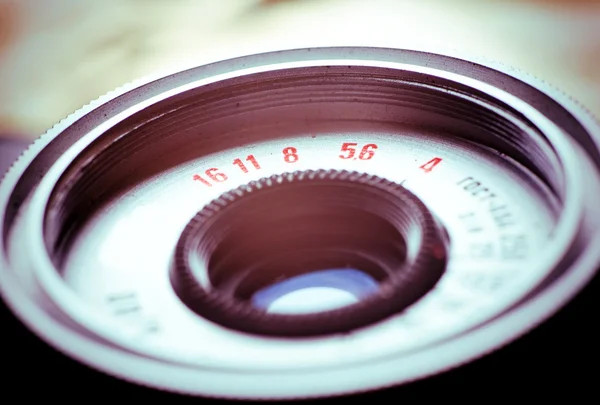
column 306, row 223
column 357, row 248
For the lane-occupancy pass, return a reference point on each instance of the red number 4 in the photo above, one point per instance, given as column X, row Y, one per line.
column 366, row 153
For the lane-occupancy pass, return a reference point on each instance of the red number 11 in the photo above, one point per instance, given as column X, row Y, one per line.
column 241, row 165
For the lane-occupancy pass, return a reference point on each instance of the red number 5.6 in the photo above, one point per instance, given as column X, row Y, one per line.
column 366, row 152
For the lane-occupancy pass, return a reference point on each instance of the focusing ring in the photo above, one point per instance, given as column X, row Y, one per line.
column 417, row 257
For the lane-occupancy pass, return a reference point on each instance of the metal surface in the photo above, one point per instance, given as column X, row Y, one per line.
column 92, row 213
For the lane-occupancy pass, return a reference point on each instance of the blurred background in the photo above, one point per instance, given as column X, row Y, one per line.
column 57, row 55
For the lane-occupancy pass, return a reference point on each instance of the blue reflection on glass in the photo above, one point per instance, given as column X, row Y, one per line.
column 317, row 291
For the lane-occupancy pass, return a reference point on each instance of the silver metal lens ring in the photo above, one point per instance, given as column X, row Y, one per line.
column 304, row 223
